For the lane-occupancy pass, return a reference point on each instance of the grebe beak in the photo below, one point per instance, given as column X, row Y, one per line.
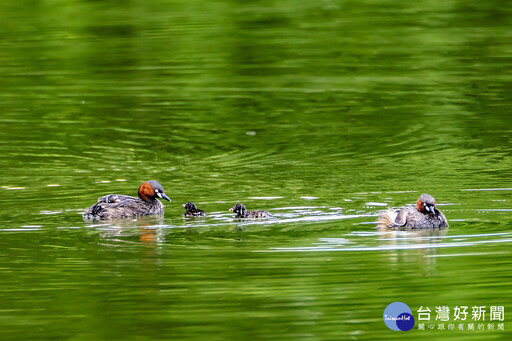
column 163, row 196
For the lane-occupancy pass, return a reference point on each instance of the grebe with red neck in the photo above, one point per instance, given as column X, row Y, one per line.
column 117, row 206
column 424, row 216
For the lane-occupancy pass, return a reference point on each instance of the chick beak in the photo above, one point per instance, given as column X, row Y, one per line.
column 184, row 205
column 231, row 209
column 430, row 208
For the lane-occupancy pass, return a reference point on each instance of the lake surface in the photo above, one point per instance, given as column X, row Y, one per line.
column 324, row 112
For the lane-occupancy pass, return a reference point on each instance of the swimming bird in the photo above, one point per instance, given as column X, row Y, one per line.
column 116, row 206
column 193, row 211
column 424, row 216
column 241, row 212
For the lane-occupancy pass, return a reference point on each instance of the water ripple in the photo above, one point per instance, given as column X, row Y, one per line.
column 384, row 247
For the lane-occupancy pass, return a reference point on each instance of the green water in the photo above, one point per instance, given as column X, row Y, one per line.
column 322, row 112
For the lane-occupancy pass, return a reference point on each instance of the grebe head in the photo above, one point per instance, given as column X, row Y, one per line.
column 112, row 198
column 426, row 204
column 151, row 190
column 238, row 209
column 190, row 206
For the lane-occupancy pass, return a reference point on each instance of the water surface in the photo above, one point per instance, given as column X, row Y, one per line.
column 324, row 113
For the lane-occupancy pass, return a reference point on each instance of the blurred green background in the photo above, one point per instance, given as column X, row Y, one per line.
column 323, row 112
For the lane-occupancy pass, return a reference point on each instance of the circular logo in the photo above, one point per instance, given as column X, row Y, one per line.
column 398, row 316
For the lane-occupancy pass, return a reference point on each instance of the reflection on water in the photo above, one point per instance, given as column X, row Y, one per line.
column 149, row 229
column 152, row 229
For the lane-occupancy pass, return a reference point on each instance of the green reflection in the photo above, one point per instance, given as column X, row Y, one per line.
column 349, row 102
